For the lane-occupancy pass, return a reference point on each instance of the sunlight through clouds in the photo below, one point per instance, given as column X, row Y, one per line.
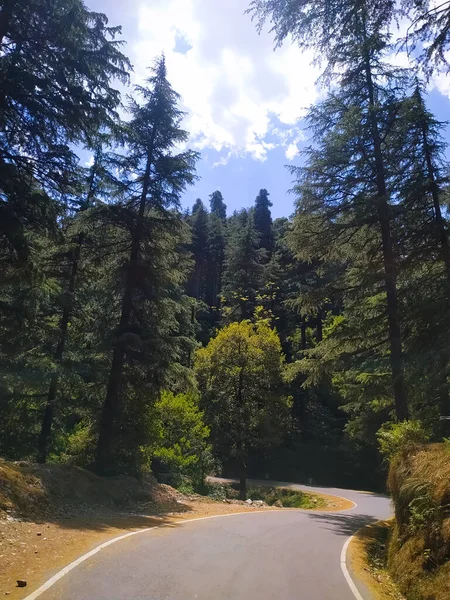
column 234, row 87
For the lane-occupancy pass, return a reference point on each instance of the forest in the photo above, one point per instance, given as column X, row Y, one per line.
column 138, row 335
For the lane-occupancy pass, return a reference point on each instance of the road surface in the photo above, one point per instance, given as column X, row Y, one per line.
column 280, row 555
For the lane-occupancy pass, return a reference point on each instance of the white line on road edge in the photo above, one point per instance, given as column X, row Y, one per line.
column 345, row 571
column 48, row 584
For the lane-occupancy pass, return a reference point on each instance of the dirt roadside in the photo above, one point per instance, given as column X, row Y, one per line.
column 366, row 562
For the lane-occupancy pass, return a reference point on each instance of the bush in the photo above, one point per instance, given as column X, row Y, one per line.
column 76, row 447
column 395, row 437
column 182, row 446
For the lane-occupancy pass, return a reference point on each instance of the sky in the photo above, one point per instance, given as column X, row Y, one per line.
column 244, row 101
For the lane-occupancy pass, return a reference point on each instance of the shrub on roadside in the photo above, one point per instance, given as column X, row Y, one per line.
column 182, row 446
column 395, row 437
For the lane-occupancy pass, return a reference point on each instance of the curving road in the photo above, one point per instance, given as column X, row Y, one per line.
column 282, row 555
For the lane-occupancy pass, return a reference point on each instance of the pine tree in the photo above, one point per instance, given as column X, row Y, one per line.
column 424, row 247
column 30, row 231
column 216, row 252
column 263, row 221
column 421, row 179
column 352, row 37
column 56, row 66
column 161, row 177
column 199, row 248
column 69, row 256
column 243, row 275
column 217, row 205
column 430, row 28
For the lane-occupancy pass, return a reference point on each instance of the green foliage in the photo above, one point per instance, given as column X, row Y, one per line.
column 107, row 289
column 419, row 556
column 263, row 221
column 240, row 376
column 76, row 447
column 394, row 438
column 71, row 55
column 183, row 439
column 243, row 274
column 288, row 498
column 152, row 341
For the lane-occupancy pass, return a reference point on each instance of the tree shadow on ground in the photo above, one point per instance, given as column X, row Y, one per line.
column 98, row 518
column 342, row 523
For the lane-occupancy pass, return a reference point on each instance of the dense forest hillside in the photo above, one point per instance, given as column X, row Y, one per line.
column 138, row 335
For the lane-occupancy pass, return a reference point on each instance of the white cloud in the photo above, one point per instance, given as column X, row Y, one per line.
column 232, row 84
column 440, row 81
column 292, row 151
column 90, row 161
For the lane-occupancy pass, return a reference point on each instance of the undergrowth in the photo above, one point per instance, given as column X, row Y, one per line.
column 288, row 498
column 419, row 550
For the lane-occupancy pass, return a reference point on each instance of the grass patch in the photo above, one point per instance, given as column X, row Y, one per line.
column 377, row 541
column 272, row 495
column 288, row 498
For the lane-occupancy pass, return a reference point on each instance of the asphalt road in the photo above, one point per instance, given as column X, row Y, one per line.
column 282, row 555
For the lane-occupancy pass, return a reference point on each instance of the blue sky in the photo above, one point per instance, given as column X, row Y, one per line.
column 244, row 102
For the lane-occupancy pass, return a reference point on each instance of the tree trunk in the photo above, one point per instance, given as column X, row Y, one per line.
column 105, row 460
column 390, row 276
column 242, row 479
column 47, row 421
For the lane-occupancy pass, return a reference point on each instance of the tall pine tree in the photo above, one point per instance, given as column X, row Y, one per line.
column 263, row 221
column 243, row 275
column 352, row 37
column 159, row 178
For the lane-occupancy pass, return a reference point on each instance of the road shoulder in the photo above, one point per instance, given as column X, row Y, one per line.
column 366, row 565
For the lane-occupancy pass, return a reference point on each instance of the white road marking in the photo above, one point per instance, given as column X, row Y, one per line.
column 48, row 584
column 345, row 571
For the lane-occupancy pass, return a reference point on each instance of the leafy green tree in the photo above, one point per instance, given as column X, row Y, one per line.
column 263, row 221
column 183, row 443
column 155, row 178
column 240, row 376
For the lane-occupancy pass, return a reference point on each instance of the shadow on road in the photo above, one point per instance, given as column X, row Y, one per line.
column 342, row 524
